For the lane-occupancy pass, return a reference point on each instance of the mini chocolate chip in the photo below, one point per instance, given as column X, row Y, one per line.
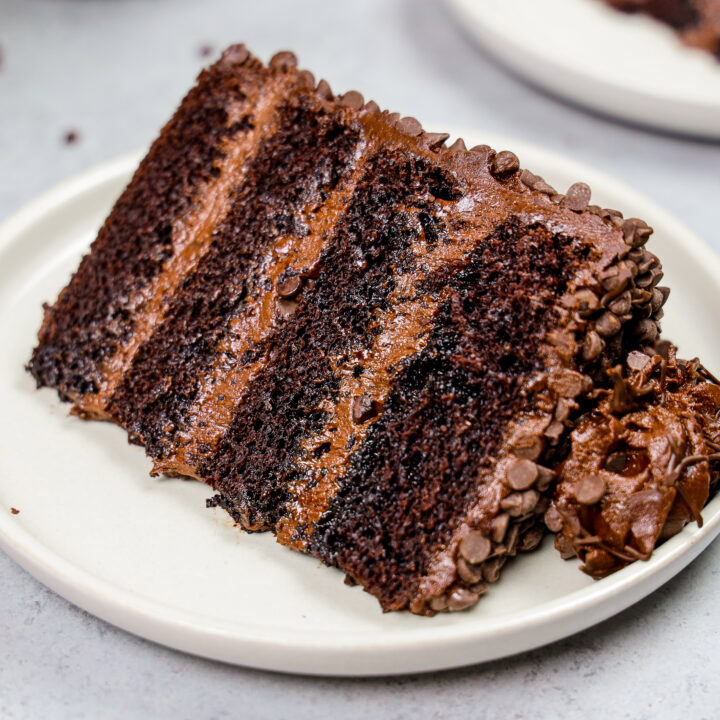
column 482, row 151
column 409, row 126
column 287, row 308
column 530, row 499
column 324, row 91
column 567, row 383
column 621, row 305
column 235, row 55
column 521, row 474
column 458, row 146
column 646, row 331
column 659, row 296
column 531, row 539
column 439, row 603
column 589, row 490
column 563, row 408
column 433, row 141
column 499, row 527
column 593, row 345
column 636, row 232
column 364, row 408
column 527, row 446
column 480, row 588
column 565, row 547
column 553, row 519
column 461, row 599
column 554, row 430
column 535, row 182
column 371, row 107
column 662, row 348
column 504, row 164
column 511, row 540
column 637, row 360
column 491, row 568
column 352, row 99
column 512, row 504
column 475, row 547
column 616, row 278
column 608, row 325
column 577, row 197
column 650, row 278
column 598, row 562
column 616, row 461
column 307, row 78
column 289, row 287
column 283, row 60
column 640, row 297
column 586, row 302
column 647, row 261
column 545, row 478
column 468, row 572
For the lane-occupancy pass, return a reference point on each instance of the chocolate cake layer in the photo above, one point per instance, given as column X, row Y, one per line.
column 299, row 163
column 156, row 232
column 371, row 344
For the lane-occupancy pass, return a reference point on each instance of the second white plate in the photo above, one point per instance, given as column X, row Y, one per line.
column 144, row 554
column 632, row 67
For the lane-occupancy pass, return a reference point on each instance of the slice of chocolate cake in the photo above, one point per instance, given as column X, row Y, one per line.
column 642, row 463
column 368, row 343
column 697, row 22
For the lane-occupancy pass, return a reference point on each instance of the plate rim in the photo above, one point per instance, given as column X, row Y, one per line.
column 338, row 655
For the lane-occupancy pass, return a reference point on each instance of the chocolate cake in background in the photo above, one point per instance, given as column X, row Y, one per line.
column 697, row 22
column 369, row 343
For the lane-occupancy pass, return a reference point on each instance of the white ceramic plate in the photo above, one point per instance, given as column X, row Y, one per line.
column 144, row 554
column 632, row 67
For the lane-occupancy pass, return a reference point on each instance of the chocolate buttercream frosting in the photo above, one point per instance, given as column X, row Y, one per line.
column 642, row 463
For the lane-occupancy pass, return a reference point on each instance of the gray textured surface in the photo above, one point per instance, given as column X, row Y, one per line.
column 112, row 70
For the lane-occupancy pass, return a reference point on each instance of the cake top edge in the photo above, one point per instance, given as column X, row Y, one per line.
column 503, row 165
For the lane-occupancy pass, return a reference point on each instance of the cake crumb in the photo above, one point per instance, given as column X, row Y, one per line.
column 14, row 511
column 71, row 137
